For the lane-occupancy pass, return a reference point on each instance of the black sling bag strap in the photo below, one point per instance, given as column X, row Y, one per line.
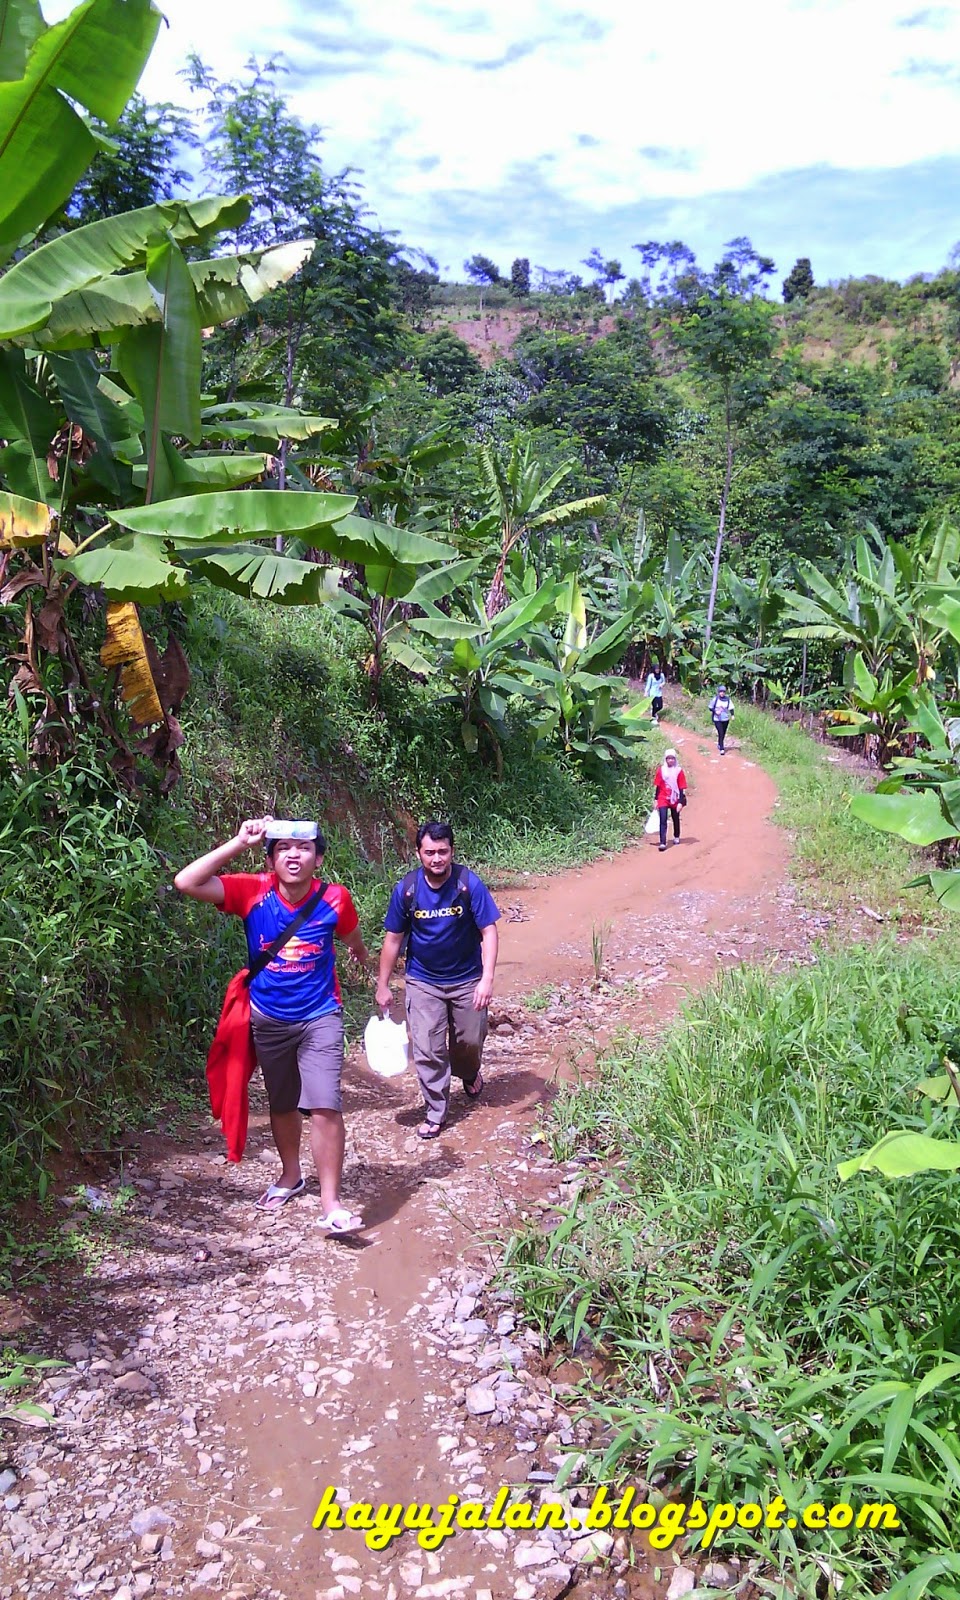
column 260, row 961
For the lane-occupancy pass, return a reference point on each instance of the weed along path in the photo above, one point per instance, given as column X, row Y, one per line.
column 227, row 1372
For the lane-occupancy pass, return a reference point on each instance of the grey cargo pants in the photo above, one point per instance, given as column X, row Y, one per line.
column 446, row 1037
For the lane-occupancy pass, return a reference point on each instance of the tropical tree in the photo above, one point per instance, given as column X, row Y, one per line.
column 520, row 277
column 324, row 336
column 517, row 496
column 570, row 675
column 139, row 165
column 888, row 603
column 481, row 270
column 730, row 342
column 799, row 280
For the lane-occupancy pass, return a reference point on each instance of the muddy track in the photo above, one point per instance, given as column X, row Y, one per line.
column 224, row 1367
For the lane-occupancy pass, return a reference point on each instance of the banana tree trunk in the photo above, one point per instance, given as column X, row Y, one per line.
column 497, row 597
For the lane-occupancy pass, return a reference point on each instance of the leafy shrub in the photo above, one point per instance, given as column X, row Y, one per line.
column 93, row 943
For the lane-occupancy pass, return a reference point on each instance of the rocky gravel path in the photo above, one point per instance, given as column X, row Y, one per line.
column 226, row 1372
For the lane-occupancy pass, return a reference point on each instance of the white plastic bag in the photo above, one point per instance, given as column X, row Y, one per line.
column 385, row 1046
column 653, row 822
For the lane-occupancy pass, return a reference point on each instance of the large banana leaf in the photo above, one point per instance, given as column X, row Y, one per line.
column 225, row 287
column 259, row 573
column 23, row 522
column 161, row 363
column 94, row 58
column 225, row 422
column 410, row 549
column 593, row 506
column 442, row 581
column 513, row 623
column 74, row 261
column 902, row 1154
column 28, row 422
column 608, row 647
column 228, row 517
column 20, row 25
column 139, row 572
column 944, row 884
column 437, row 626
column 914, row 814
column 400, row 647
column 199, row 474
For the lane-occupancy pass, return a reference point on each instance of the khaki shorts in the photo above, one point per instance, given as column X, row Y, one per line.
column 301, row 1061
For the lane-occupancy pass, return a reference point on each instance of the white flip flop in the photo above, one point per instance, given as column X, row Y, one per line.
column 340, row 1220
column 277, row 1196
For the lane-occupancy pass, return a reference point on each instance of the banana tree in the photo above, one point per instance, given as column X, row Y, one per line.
column 880, row 708
column 517, row 495
column 384, row 604
column 920, row 800
column 571, row 683
column 85, row 443
column 885, row 604
column 751, row 609
column 480, row 655
column 673, row 610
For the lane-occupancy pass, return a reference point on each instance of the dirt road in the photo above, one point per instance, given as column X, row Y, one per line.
column 225, row 1367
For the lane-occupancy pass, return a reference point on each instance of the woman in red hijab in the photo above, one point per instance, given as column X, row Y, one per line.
column 671, row 794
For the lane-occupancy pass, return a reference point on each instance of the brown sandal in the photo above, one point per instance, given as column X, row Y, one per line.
column 474, row 1089
column 429, row 1130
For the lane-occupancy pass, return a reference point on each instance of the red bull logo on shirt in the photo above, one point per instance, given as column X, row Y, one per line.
column 300, row 953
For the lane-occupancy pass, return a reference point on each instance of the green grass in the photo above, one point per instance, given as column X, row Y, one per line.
column 771, row 1326
column 834, row 852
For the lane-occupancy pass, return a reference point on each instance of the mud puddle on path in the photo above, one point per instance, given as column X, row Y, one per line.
column 225, row 1367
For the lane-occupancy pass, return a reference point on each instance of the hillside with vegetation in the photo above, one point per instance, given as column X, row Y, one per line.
column 289, row 525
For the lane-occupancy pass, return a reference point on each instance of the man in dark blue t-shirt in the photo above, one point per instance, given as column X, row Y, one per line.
column 447, row 915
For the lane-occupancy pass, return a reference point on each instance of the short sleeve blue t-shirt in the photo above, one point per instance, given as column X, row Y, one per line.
column 300, row 983
column 444, row 927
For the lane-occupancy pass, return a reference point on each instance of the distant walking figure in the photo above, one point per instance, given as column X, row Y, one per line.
column 671, row 794
column 721, row 710
column 653, row 689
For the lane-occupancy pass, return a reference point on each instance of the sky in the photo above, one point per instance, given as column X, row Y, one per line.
column 820, row 128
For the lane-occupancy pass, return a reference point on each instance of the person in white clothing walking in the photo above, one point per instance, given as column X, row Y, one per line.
column 721, row 710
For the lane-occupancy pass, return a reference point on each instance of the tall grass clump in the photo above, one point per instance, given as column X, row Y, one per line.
column 93, row 946
column 775, row 1331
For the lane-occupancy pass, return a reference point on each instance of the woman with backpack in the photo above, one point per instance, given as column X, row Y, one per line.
column 721, row 710
column 653, row 689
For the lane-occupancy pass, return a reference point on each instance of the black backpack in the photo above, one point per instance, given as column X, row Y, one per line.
column 408, row 894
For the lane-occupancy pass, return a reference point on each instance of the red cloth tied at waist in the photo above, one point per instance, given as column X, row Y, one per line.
column 231, row 1062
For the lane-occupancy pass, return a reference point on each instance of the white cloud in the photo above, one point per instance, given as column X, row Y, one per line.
column 619, row 105
column 750, row 88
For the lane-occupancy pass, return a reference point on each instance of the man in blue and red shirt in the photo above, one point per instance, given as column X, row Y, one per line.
column 295, row 1008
